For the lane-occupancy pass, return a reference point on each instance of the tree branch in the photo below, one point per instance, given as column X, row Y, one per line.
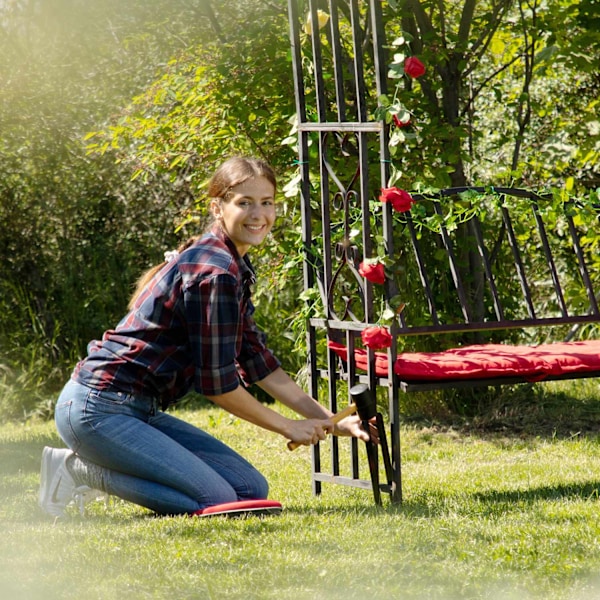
column 480, row 45
column 423, row 21
column 466, row 20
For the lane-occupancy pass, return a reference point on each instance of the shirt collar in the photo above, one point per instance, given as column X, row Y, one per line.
column 246, row 269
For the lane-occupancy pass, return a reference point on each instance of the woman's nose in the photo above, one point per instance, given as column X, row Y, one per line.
column 257, row 211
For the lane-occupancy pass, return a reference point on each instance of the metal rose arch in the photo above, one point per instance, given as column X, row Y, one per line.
column 340, row 70
column 477, row 286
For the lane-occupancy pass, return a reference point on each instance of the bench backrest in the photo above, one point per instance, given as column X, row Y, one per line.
column 497, row 258
column 466, row 260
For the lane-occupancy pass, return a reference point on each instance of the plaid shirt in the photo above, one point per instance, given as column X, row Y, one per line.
column 191, row 327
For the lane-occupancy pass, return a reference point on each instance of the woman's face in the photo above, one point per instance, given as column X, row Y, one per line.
column 248, row 213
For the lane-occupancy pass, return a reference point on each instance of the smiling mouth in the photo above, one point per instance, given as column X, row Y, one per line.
column 255, row 228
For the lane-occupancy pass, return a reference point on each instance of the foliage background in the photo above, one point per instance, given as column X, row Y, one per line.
column 114, row 114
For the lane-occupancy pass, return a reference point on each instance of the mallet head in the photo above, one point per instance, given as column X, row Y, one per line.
column 366, row 405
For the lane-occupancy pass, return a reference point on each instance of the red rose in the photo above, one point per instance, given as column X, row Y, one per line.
column 376, row 337
column 373, row 271
column 413, row 67
column 398, row 123
column 400, row 200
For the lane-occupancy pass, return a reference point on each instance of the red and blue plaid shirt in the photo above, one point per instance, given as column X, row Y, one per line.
column 190, row 328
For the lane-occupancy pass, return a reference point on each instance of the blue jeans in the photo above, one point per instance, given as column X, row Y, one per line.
column 152, row 458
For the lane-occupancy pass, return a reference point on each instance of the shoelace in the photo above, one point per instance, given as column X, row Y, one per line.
column 83, row 495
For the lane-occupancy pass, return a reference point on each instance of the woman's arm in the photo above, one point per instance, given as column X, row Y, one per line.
column 304, row 431
column 281, row 386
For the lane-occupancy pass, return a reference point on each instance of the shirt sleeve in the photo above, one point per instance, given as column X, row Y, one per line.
column 224, row 340
column 214, row 328
column 255, row 360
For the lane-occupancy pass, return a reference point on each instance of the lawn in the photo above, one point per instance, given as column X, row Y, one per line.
column 486, row 515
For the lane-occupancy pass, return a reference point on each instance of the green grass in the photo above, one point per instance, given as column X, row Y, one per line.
column 496, row 516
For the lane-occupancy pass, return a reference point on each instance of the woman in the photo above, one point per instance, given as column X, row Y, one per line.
column 190, row 326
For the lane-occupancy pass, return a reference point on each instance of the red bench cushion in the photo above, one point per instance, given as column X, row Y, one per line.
column 485, row 361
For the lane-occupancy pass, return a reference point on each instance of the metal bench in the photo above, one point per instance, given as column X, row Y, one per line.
column 485, row 296
column 518, row 271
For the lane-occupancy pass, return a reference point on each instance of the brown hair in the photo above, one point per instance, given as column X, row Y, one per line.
column 237, row 170
column 232, row 172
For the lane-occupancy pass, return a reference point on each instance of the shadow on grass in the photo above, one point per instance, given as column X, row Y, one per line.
column 491, row 502
column 555, row 409
column 437, row 505
column 585, row 490
column 21, row 457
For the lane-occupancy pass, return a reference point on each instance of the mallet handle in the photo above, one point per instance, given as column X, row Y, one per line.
column 346, row 412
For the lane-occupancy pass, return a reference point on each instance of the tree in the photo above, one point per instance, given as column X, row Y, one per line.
column 76, row 229
column 489, row 104
column 227, row 96
column 71, row 240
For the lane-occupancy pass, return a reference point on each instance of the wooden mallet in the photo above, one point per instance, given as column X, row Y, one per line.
column 346, row 412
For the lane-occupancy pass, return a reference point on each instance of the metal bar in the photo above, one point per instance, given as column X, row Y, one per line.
column 338, row 63
column 308, row 270
column 583, row 270
column 379, row 43
column 429, row 386
column 333, row 407
column 317, row 62
column 359, row 77
column 357, row 483
column 297, row 61
column 364, row 192
column 380, row 63
column 454, row 270
column 512, row 240
column 325, row 220
column 352, row 375
column 487, row 267
column 370, row 126
column 517, row 192
column 549, row 259
column 463, row 327
column 423, row 275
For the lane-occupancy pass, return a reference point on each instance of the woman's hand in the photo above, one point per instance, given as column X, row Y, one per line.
column 352, row 426
column 307, row 432
column 280, row 386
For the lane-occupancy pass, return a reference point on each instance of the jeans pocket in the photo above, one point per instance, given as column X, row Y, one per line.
column 64, row 425
column 101, row 403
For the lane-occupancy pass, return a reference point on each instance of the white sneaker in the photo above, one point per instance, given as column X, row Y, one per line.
column 57, row 487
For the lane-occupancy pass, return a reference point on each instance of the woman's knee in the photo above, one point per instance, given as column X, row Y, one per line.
column 258, row 487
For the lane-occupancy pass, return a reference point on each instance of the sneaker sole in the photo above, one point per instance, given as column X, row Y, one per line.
column 46, row 487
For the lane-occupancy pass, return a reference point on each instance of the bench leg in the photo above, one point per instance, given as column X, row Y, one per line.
column 385, row 451
column 396, row 455
column 373, row 459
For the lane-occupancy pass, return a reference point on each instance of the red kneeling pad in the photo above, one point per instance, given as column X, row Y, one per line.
column 241, row 508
